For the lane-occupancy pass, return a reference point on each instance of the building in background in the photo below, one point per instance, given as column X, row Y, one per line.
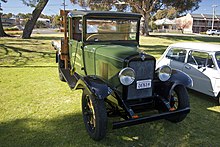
column 8, row 22
column 196, row 23
column 165, row 25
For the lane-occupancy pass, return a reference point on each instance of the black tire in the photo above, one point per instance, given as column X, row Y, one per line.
column 94, row 116
column 179, row 100
column 60, row 65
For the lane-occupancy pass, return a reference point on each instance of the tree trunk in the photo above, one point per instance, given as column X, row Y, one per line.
column 2, row 32
column 145, row 26
column 31, row 22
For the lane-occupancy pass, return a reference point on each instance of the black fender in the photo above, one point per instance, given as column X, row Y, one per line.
column 180, row 78
column 94, row 85
column 177, row 78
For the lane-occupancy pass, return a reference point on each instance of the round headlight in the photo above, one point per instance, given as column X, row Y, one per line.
column 164, row 73
column 126, row 76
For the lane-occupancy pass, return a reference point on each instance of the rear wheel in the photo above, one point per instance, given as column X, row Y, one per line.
column 60, row 65
column 94, row 115
column 179, row 100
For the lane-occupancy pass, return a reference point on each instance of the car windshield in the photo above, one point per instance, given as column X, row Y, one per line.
column 111, row 30
column 217, row 56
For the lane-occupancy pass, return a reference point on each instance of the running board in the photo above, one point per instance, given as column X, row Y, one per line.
column 70, row 79
column 131, row 122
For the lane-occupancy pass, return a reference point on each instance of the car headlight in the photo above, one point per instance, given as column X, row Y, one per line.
column 126, row 76
column 164, row 73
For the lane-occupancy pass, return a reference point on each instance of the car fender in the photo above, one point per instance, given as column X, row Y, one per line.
column 177, row 78
column 180, row 78
column 94, row 85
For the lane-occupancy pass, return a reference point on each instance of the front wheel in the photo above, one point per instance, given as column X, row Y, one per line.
column 179, row 100
column 94, row 115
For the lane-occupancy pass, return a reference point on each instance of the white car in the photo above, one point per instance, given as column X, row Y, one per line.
column 213, row 32
column 200, row 61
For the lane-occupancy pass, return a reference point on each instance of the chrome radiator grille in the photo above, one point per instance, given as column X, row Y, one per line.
column 144, row 70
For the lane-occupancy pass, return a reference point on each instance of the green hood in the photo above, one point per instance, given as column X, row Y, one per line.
column 107, row 60
column 117, row 52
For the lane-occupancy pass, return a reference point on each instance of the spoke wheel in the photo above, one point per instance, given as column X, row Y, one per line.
column 174, row 101
column 94, row 116
column 179, row 100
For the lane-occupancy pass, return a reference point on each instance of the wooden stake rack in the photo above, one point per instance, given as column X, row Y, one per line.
column 64, row 41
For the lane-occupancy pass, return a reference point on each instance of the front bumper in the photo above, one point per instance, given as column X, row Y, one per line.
column 131, row 122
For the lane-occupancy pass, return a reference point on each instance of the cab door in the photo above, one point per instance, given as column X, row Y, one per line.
column 75, row 43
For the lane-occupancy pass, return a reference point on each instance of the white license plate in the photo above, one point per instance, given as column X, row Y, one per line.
column 143, row 84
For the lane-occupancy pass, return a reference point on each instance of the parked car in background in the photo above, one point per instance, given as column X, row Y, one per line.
column 218, row 32
column 213, row 32
column 200, row 61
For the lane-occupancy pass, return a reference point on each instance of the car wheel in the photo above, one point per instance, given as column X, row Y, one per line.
column 60, row 65
column 94, row 115
column 179, row 100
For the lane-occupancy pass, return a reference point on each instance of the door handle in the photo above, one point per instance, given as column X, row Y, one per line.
column 187, row 67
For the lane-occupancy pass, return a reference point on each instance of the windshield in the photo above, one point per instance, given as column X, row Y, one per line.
column 111, row 30
column 217, row 56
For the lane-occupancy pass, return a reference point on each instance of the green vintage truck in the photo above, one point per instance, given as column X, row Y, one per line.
column 99, row 54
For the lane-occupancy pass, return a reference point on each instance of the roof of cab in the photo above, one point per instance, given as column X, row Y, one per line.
column 82, row 13
column 203, row 47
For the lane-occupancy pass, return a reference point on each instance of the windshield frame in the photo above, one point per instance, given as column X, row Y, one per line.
column 135, row 41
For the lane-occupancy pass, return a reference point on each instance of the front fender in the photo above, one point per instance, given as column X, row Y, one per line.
column 94, row 85
column 180, row 78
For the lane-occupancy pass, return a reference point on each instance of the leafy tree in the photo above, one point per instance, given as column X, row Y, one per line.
column 35, row 15
column 169, row 13
column 24, row 16
column 40, row 24
column 2, row 32
column 96, row 5
column 56, row 20
column 9, row 15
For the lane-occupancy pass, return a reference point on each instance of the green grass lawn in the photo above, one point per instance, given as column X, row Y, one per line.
column 36, row 109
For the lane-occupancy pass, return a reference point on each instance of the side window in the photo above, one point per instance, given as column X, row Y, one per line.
column 177, row 54
column 76, row 29
column 210, row 63
column 198, row 58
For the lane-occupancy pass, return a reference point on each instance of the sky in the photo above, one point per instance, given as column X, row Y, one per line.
column 53, row 7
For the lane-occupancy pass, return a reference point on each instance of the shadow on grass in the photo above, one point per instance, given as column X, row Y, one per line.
column 19, row 59
column 205, row 100
column 69, row 130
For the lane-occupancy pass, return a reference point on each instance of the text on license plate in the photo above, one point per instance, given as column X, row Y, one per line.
column 142, row 84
